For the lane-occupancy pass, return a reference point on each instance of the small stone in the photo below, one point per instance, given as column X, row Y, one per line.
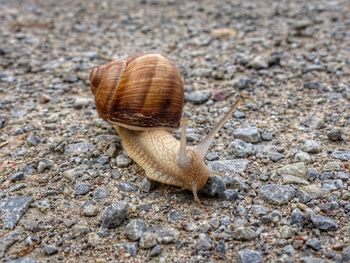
column 259, row 62
column 102, row 160
column 341, row 155
column 335, row 135
column 155, row 251
column 197, row 97
column 314, row 190
column 295, row 169
column 241, row 148
column 314, row 244
column 174, row 216
column 166, row 235
column 127, row 187
column 114, row 215
column 324, row 223
column 23, row 260
column 18, row 176
column 239, row 114
column 123, row 161
column 212, row 156
column 214, row 186
column 100, row 193
column 148, row 240
column 298, row 218
column 79, row 102
column 332, row 166
column 13, row 208
column 90, row 209
column 135, row 229
column 79, row 148
column 248, row 134
column 346, row 254
column 244, row 234
column 50, row 250
column 73, row 174
column 290, row 179
column 276, row 156
column 148, row 185
column 259, row 210
column 277, row 194
column 230, row 195
column 311, row 146
column 266, row 136
column 81, row 189
column 131, row 248
column 44, row 165
column 221, row 249
column 248, row 256
column 229, row 166
column 33, row 140
column 302, row 157
column 311, row 259
column 7, row 240
column 203, row 243
column 93, row 239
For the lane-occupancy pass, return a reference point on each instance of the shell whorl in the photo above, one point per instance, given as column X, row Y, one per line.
column 139, row 93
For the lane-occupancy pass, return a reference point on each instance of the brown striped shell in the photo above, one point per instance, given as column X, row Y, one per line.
column 139, row 93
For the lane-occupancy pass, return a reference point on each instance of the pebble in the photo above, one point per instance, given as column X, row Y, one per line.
column 100, row 193
column 44, row 165
column 302, row 157
column 13, row 208
column 314, row 190
column 341, row 155
column 214, row 186
column 229, row 166
column 148, row 240
column 148, row 185
column 346, row 254
column 33, row 140
column 81, row 188
column 212, row 156
column 123, row 161
column 7, row 240
column 50, row 250
column 290, row 179
column 286, row 232
column 335, row 135
column 127, row 187
column 174, row 216
column 248, row 134
column 244, row 234
column 17, row 176
column 155, row 251
column 266, row 136
column 311, row 146
column 296, row 169
column 259, row 62
column 332, row 166
column 259, row 210
column 90, row 209
column 248, row 256
column 197, row 97
column 23, row 260
column 298, row 218
column 131, row 248
column 79, row 148
column 114, row 215
column 134, row 229
column 230, row 195
column 239, row 114
column 277, row 194
column 241, row 148
column 313, row 243
column 203, row 243
column 324, row 223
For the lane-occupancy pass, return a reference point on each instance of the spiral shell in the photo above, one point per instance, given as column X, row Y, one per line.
column 139, row 93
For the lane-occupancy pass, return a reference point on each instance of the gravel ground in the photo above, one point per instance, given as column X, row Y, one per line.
column 70, row 194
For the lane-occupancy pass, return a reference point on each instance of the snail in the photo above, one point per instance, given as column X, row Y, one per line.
column 143, row 97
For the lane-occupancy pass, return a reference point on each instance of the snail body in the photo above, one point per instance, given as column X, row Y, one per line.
column 143, row 97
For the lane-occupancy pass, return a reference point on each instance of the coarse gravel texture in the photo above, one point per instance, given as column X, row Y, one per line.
column 69, row 193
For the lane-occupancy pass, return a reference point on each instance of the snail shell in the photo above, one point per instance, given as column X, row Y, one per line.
column 139, row 93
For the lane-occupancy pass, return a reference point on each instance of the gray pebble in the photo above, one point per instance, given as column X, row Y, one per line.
column 341, row 155
column 302, row 157
column 298, row 218
column 134, row 229
column 79, row 148
column 155, row 251
column 212, row 156
column 13, row 208
column 266, row 136
column 81, row 188
column 248, row 134
column 248, row 256
column 90, row 209
column 324, row 223
column 277, row 194
column 148, row 240
column 314, row 244
column 214, row 186
column 174, row 216
column 335, row 135
column 197, row 97
column 165, row 235
column 131, row 248
column 259, row 210
column 229, row 195
column 18, row 176
column 346, row 254
column 123, row 161
column 50, row 250
column 114, row 215
column 229, row 166
column 23, row 260
column 203, row 243
column 244, row 234
column 100, row 193
column 33, row 140
column 44, row 165
column 148, row 185
column 239, row 114
column 7, row 240
column 241, row 148
column 127, row 187
column 259, row 62
column 311, row 146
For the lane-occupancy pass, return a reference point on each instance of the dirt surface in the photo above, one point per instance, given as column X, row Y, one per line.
column 69, row 193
